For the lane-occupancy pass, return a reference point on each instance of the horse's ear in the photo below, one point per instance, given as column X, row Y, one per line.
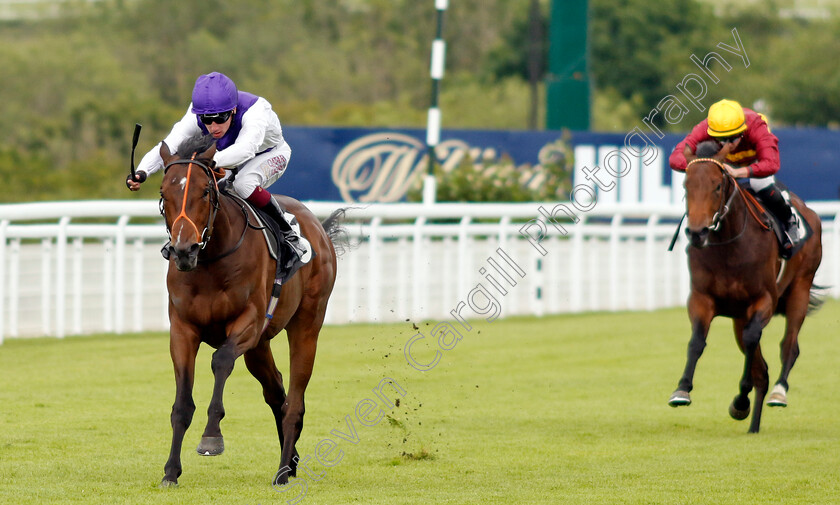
column 724, row 151
column 165, row 154
column 210, row 152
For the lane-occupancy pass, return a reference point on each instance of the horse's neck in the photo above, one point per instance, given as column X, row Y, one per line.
column 740, row 230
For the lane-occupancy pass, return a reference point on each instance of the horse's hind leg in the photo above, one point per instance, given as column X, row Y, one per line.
column 183, row 347
column 303, row 341
column 700, row 313
column 212, row 443
column 260, row 362
column 795, row 310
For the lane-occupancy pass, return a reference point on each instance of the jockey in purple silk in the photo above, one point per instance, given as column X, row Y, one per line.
column 249, row 144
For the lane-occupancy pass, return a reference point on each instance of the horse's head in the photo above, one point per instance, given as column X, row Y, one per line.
column 189, row 198
column 708, row 188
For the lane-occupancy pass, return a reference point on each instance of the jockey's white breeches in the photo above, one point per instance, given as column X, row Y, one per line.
column 262, row 170
column 759, row 184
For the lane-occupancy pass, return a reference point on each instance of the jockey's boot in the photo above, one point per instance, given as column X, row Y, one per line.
column 779, row 206
column 290, row 238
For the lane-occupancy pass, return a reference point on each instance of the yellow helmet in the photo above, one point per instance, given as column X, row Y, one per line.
column 726, row 118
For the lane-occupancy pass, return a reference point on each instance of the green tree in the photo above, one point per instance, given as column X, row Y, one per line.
column 641, row 49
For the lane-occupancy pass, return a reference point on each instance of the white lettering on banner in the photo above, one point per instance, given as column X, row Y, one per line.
column 381, row 167
column 377, row 167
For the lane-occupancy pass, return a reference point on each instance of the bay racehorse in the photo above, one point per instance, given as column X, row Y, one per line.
column 220, row 281
column 736, row 272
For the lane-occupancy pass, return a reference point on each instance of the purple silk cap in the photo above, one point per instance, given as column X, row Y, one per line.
column 213, row 93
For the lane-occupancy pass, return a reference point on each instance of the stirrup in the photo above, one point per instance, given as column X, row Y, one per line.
column 792, row 230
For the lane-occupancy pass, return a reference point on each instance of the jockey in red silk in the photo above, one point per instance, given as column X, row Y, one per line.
column 249, row 143
column 754, row 155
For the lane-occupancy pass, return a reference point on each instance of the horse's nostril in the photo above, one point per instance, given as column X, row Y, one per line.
column 194, row 248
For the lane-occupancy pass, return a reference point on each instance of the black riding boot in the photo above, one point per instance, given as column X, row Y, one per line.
column 290, row 240
column 776, row 203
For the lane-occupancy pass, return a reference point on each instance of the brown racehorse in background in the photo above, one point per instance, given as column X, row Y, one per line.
column 220, row 281
column 736, row 272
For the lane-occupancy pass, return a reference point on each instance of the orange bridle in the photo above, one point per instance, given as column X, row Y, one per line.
column 201, row 237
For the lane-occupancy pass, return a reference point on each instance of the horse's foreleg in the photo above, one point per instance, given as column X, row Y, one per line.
column 700, row 313
column 212, row 442
column 796, row 307
column 183, row 348
column 761, row 382
column 755, row 368
column 260, row 362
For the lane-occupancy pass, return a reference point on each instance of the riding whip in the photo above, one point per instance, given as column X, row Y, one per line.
column 134, row 140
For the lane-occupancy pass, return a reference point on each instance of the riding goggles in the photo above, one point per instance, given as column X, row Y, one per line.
column 218, row 118
column 729, row 140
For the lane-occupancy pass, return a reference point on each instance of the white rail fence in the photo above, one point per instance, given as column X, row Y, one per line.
column 95, row 266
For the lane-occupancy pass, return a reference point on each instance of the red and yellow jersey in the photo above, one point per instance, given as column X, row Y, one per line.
column 758, row 149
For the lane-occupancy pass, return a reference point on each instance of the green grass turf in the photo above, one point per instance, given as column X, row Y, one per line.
column 567, row 409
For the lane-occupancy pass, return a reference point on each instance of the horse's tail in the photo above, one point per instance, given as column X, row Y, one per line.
column 336, row 231
column 816, row 298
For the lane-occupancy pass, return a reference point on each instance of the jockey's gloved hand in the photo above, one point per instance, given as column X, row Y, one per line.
column 133, row 182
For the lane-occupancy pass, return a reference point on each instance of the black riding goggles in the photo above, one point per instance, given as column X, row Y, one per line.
column 725, row 140
column 218, row 118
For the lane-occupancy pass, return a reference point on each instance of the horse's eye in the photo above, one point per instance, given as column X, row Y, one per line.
column 206, row 192
column 717, row 188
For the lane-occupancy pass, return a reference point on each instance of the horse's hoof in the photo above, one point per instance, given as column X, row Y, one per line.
column 738, row 414
column 778, row 397
column 166, row 483
column 211, row 446
column 679, row 398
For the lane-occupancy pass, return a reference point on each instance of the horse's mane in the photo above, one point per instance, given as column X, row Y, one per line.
column 195, row 145
column 707, row 148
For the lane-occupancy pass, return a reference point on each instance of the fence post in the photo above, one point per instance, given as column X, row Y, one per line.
column 137, row 307
column 77, row 285
column 374, row 266
column 3, row 225
column 119, row 276
column 650, row 261
column 576, row 265
column 46, row 289
column 61, row 277
column 14, row 286
column 108, row 285
column 418, row 306
column 615, row 246
column 464, row 260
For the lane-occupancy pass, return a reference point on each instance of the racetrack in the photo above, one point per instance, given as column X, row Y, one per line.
column 563, row 409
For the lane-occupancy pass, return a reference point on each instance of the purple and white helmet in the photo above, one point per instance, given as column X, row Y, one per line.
column 213, row 93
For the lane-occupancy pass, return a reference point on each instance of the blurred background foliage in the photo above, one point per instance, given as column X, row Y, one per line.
column 75, row 83
column 499, row 179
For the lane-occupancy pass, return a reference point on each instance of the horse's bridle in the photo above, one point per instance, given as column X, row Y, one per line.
column 725, row 205
column 204, row 236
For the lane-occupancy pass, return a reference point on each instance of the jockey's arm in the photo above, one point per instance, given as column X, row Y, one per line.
column 151, row 162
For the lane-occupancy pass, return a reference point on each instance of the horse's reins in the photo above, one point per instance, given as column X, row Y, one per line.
column 204, row 236
column 725, row 205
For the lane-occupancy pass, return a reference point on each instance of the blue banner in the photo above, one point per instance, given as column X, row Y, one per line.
column 379, row 165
